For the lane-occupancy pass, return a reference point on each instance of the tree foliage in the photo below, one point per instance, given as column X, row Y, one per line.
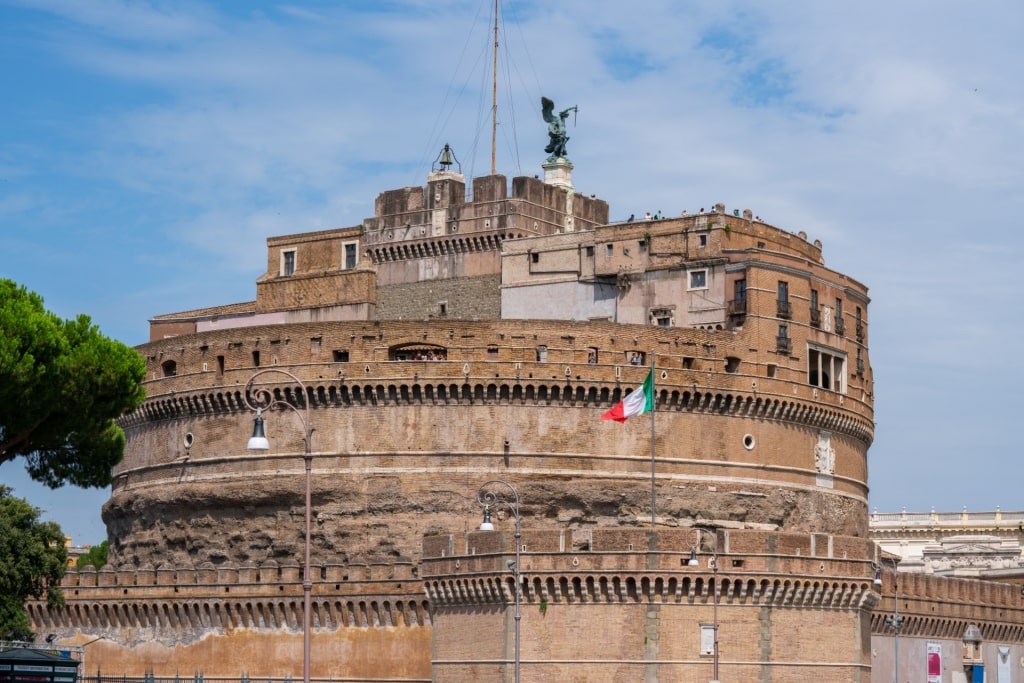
column 95, row 557
column 33, row 560
column 62, row 384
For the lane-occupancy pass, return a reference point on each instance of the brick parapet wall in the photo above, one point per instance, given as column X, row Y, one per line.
column 637, row 610
column 943, row 607
column 497, row 350
column 185, row 603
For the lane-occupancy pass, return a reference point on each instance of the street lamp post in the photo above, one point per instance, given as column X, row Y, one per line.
column 895, row 620
column 487, row 499
column 713, row 564
column 260, row 399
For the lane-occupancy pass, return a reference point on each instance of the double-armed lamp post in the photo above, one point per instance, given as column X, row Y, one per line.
column 260, row 399
column 713, row 565
column 487, row 498
column 894, row 620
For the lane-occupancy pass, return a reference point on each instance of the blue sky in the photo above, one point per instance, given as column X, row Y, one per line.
column 147, row 149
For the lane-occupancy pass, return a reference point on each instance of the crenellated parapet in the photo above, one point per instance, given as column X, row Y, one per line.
column 177, row 605
column 514, row 390
column 943, row 607
column 667, row 594
column 637, row 566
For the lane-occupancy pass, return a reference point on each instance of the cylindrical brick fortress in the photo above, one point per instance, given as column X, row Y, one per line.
column 401, row 444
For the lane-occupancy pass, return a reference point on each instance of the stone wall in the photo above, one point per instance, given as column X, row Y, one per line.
column 369, row 622
column 464, row 298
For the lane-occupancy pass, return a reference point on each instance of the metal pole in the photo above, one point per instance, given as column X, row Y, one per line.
column 263, row 399
column 714, row 613
column 518, row 615
column 654, row 393
column 488, row 499
column 307, row 574
column 896, row 623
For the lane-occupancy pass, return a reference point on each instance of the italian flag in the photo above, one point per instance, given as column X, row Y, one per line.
column 637, row 403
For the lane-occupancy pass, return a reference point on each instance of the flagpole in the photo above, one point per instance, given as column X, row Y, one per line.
column 654, row 394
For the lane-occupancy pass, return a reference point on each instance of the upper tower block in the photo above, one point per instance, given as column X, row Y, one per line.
column 437, row 248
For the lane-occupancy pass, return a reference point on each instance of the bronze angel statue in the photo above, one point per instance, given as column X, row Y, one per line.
column 556, row 129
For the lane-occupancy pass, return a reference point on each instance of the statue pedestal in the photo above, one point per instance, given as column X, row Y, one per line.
column 559, row 174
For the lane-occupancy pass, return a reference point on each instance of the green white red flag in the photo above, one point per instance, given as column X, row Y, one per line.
column 636, row 403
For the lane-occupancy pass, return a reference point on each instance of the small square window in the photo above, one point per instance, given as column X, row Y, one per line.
column 534, row 257
column 698, row 279
column 590, row 252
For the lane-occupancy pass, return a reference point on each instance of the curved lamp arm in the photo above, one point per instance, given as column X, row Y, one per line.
column 260, row 398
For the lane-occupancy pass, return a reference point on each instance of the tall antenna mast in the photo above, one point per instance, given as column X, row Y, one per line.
column 494, row 98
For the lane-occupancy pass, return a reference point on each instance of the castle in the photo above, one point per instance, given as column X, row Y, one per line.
column 467, row 334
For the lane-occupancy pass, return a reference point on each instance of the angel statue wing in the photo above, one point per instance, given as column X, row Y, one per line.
column 547, row 110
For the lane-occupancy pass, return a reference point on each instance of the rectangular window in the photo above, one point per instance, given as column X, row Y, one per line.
column 826, row 369
column 698, row 279
column 220, row 366
column 340, row 356
column 840, row 324
column 782, row 344
column 287, row 262
column 592, row 354
column 783, row 309
column 349, row 255
column 740, row 290
column 702, row 241
column 255, row 359
column 534, row 257
column 610, row 249
column 442, row 308
column 815, row 311
column 542, row 354
column 590, row 252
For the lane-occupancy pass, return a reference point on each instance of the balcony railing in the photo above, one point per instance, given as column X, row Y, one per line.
column 859, row 330
column 815, row 317
column 840, row 326
column 782, row 344
column 784, row 310
column 738, row 307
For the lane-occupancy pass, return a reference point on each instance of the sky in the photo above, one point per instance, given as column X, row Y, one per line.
column 149, row 148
